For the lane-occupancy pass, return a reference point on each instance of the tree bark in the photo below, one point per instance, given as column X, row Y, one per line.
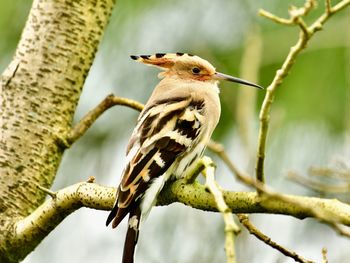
column 40, row 90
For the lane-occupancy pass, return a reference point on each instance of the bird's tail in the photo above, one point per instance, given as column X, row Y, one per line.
column 132, row 235
column 117, row 214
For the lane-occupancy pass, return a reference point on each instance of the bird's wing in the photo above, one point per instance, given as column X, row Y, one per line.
column 166, row 129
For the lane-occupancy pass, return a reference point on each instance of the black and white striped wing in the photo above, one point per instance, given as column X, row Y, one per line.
column 166, row 130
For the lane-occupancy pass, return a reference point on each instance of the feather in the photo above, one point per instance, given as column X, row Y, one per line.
column 132, row 235
column 163, row 137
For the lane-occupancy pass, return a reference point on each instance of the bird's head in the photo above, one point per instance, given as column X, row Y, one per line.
column 187, row 67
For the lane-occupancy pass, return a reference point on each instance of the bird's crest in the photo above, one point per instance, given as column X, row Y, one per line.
column 167, row 60
column 180, row 62
column 161, row 59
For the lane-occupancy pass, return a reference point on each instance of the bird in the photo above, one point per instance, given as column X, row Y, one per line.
column 170, row 135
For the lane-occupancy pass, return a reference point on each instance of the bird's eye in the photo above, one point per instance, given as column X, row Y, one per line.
column 196, row 70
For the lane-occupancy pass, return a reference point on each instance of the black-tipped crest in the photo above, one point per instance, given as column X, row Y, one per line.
column 160, row 55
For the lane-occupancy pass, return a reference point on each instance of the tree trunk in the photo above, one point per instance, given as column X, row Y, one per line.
column 40, row 90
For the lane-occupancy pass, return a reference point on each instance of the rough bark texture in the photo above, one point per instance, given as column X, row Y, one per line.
column 39, row 93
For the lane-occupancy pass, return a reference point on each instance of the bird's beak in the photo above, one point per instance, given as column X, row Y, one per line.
column 221, row 76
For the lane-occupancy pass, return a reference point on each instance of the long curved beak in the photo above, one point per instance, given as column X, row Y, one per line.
column 221, row 76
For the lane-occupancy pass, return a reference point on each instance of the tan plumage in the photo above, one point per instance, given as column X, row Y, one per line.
column 171, row 134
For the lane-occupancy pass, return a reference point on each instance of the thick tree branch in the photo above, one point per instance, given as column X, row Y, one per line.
column 196, row 196
column 45, row 218
column 66, row 201
column 30, row 231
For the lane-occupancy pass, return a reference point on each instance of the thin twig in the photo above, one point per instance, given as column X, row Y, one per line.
column 318, row 186
column 340, row 230
column 275, row 18
column 47, row 191
column 91, row 179
column 324, row 255
column 337, row 173
column 218, row 149
column 231, row 229
column 85, row 123
column 307, row 33
column 328, row 6
column 244, row 219
column 294, row 13
column 192, row 174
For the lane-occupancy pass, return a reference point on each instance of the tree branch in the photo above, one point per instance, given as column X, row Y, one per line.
column 294, row 12
column 319, row 186
column 268, row 194
column 231, row 229
column 305, row 35
column 244, row 219
column 196, row 196
column 85, row 123
column 29, row 231
column 324, row 255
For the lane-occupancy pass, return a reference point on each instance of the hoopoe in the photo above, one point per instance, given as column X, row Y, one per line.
column 171, row 134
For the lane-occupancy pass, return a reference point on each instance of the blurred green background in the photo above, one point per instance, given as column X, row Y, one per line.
column 310, row 123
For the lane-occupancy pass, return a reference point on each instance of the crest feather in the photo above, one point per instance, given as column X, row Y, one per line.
column 163, row 60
